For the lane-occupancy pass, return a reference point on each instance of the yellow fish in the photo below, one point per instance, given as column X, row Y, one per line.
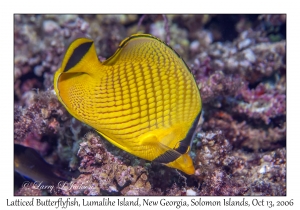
column 143, row 99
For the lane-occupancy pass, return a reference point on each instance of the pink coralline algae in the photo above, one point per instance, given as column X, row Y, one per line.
column 105, row 174
column 225, row 171
column 258, row 61
column 38, row 120
column 31, row 190
column 239, row 64
column 264, row 102
column 218, row 84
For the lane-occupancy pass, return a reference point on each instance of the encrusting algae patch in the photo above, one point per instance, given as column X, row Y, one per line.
column 143, row 99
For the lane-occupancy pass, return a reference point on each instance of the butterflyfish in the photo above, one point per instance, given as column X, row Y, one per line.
column 30, row 164
column 143, row 99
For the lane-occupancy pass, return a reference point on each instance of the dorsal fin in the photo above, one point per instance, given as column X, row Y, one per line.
column 139, row 47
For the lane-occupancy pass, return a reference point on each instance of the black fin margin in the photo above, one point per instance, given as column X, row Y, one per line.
column 167, row 157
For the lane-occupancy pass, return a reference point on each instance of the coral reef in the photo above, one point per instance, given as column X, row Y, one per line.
column 28, row 191
column 38, row 119
column 105, row 173
column 239, row 63
column 224, row 171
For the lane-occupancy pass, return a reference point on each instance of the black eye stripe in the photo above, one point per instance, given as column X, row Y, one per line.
column 77, row 55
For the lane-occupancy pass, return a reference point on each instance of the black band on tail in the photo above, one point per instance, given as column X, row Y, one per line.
column 185, row 143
